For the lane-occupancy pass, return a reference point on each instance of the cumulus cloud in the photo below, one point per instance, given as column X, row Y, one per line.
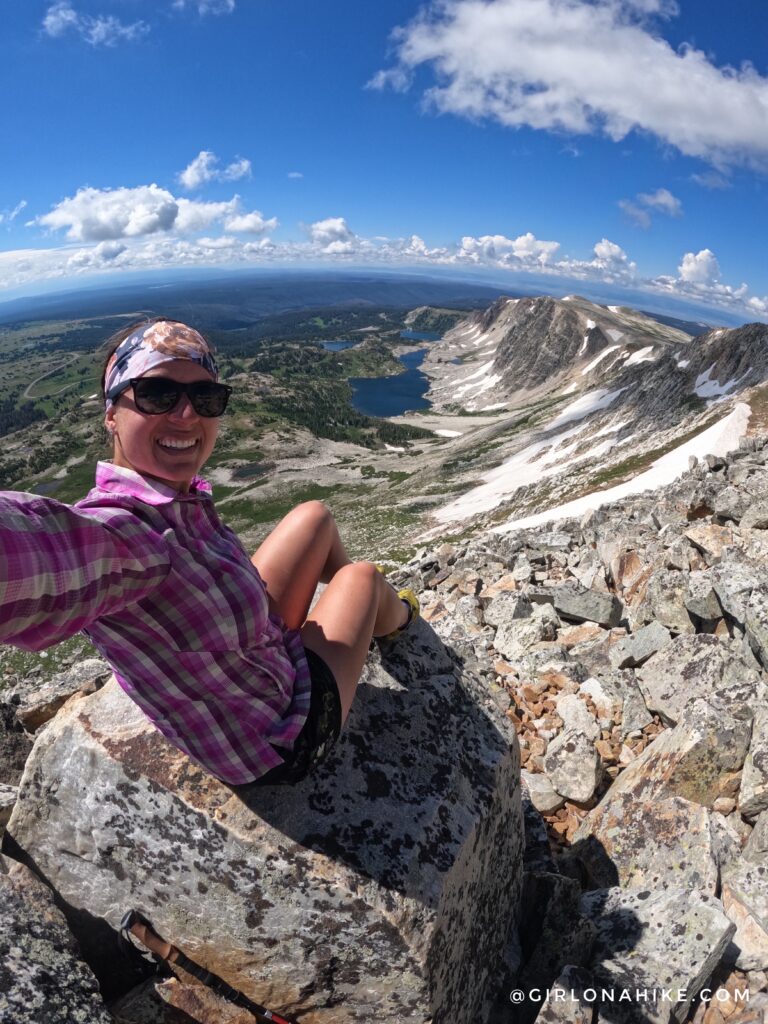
column 700, row 268
column 333, row 236
column 206, row 6
column 205, row 168
column 94, row 215
column 524, row 250
column 582, row 66
column 660, row 201
column 101, row 30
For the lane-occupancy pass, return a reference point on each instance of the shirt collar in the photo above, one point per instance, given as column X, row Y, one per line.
column 119, row 480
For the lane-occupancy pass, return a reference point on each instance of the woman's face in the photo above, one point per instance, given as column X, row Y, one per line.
column 171, row 447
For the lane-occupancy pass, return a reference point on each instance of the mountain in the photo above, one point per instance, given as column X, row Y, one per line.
column 549, row 399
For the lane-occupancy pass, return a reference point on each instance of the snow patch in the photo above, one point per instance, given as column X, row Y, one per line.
column 591, row 402
column 719, row 439
column 644, row 355
column 614, row 335
column 448, row 433
column 683, row 363
column 599, row 358
column 706, row 388
column 392, row 448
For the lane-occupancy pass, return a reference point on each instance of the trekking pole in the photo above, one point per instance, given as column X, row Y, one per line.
column 134, row 923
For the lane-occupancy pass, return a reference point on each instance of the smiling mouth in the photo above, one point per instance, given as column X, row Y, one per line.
column 177, row 446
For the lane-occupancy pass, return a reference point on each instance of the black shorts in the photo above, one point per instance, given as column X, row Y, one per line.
column 318, row 734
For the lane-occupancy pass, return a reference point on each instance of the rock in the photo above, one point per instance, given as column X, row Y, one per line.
column 580, row 605
column 756, row 516
column 756, row 623
column 733, row 584
column 38, row 706
column 15, row 745
column 573, row 766
column 577, row 717
column 377, row 883
column 711, row 540
column 696, row 666
column 554, row 930
column 507, row 608
column 701, row 602
column 756, row 847
column 664, row 602
column 700, row 759
column 516, row 638
column 7, row 801
column 638, row 647
column 543, row 797
column 44, row 981
column 655, row 941
column 753, row 795
column 647, row 843
column 731, row 503
column 745, row 898
column 567, row 1003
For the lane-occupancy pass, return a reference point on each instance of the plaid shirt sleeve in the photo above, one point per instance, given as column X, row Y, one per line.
column 60, row 568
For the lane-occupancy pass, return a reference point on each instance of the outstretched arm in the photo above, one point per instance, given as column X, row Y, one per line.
column 60, row 568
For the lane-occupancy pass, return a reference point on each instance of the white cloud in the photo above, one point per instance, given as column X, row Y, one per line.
column 252, row 223
column 661, row 201
column 94, row 215
column 526, row 249
column 711, row 180
column 102, row 30
column 583, row 67
column 206, row 6
column 205, row 168
column 8, row 216
column 700, row 268
column 332, row 235
column 295, row 175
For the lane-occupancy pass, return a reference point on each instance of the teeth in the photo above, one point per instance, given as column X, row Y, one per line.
column 168, row 442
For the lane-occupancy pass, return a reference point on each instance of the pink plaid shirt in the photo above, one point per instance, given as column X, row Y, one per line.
column 170, row 598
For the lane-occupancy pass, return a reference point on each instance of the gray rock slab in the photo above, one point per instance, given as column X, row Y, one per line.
column 638, row 647
column 8, row 796
column 753, row 795
column 745, row 898
column 566, row 1002
column 701, row 600
column 700, row 759
column 580, row 605
column 515, row 638
column 690, row 667
column 647, row 844
column 756, row 847
column 387, row 882
column 658, row 941
column 39, row 705
column 554, row 932
column 572, row 765
column 756, row 516
column 664, row 602
column 44, row 981
column 733, row 583
column 507, row 608
column 15, row 745
column 756, row 623
column 576, row 716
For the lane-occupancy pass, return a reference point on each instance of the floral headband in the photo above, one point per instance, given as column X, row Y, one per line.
column 149, row 346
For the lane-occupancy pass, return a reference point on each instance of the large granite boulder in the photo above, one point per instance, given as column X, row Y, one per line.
column 42, row 978
column 387, row 883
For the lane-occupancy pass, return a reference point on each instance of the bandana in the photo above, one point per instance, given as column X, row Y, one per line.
column 149, row 346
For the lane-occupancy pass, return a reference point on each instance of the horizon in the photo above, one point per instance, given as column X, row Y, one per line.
column 443, row 139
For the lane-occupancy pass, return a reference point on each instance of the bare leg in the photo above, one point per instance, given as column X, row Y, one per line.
column 302, row 550
column 357, row 604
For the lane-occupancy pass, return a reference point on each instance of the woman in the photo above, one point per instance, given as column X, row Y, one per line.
column 218, row 649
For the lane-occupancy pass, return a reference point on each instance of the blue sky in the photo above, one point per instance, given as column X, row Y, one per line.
column 620, row 142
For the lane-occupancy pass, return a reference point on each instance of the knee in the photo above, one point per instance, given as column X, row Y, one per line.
column 315, row 515
column 362, row 572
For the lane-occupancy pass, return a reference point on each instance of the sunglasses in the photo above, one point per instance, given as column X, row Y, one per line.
column 157, row 395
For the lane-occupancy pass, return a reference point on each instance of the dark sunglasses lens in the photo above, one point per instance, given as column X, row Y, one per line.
column 155, row 395
column 209, row 399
